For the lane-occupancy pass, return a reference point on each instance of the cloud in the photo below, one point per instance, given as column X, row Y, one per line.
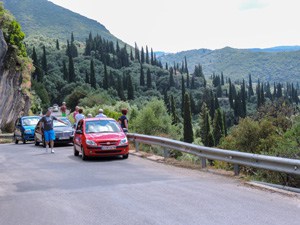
column 252, row 4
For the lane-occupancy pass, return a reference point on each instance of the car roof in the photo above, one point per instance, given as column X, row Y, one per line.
column 28, row 117
column 98, row 118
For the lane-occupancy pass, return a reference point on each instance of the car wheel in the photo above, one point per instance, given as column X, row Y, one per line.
column 16, row 140
column 76, row 153
column 83, row 156
column 125, row 156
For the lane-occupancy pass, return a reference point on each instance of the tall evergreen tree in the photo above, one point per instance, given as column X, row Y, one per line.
column 149, row 79
column 171, row 79
column 71, row 70
column 204, row 125
column 225, row 124
column 152, row 57
column 37, row 74
column 142, row 56
column 120, row 89
column 93, row 81
column 182, row 95
column 142, row 76
column 65, row 72
column 147, row 55
column 136, row 53
column 243, row 100
column 188, row 81
column 130, row 89
column 222, row 79
column 218, row 127
column 173, row 110
column 188, row 135
column 131, row 55
column 250, row 88
column 57, row 44
column 105, row 78
column 87, row 77
column 44, row 60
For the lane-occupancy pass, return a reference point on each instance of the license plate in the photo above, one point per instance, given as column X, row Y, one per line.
column 108, row 147
column 63, row 138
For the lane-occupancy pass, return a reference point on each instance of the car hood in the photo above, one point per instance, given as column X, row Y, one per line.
column 61, row 129
column 105, row 136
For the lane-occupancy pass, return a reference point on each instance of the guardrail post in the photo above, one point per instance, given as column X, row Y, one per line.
column 236, row 168
column 203, row 162
column 166, row 153
column 136, row 146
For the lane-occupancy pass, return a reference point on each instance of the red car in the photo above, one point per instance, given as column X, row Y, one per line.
column 100, row 137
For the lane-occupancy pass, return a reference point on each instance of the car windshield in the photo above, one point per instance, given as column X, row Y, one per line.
column 56, row 123
column 102, row 126
column 30, row 121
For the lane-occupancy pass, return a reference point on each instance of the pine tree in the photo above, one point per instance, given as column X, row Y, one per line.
column 188, row 81
column 57, row 44
column 173, row 110
column 37, row 72
column 193, row 104
column 185, row 66
column 149, row 79
column 71, row 70
column 219, row 91
column 142, row 56
column 243, row 100
column 222, row 79
column 111, row 80
column 93, row 81
column 171, row 79
column 225, row 124
column 182, row 95
column 130, row 92
column 188, row 135
column 44, row 61
column 142, row 76
column 131, row 55
column 105, row 78
column 147, row 55
column 218, row 127
column 136, row 53
column 65, row 72
column 204, row 125
column 217, row 105
column 68, row 49
column 250, row 88
column 152, row 57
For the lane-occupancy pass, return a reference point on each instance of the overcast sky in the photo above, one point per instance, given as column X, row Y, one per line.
column 177, row 25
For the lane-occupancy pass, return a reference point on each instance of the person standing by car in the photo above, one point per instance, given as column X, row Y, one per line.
column 101, row 114
column 75, row 112
column 49, row 134
column 63, row 110
column 123, row 119
column 79, row 116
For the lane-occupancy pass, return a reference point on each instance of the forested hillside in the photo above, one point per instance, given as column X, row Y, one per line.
column 42, row 17
column 239, row 63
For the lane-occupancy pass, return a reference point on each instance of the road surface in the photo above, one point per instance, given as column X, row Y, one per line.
column 44, row 189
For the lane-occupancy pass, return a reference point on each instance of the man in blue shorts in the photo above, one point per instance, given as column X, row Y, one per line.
column 49, row 134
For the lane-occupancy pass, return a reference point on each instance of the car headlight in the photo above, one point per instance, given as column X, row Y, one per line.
column 28, row 131
column 123, row 141
column 90, row 142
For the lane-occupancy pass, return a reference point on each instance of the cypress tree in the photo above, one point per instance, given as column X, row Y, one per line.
column 262, row 95
column 217, row 105
column 152, row 57
column 230, row 95
column 120, row 89
column 136, row 53
column 188, row 81
column 71, row 70
column 182, row 95
column 105, row 78
column 171, row 79
column 65, row 72
column 68, row 50
column 125, row 79
column 142, row 76
column 87, row 77
column 258, row 94
column 57, row 44
column 188, row 135
column 44, row 61
column 131, row 55
column 142, row 56
column 243, row 100
column 193, row 104
column 204, row 125
column 250, row 88
column 93, row 81
column 130, row 92
column 173, row 111
column 35, row 74
column 111, row 80
column 218, row 127
column 224, row 124
column 237, row 106
column 219, row 91
column 193, row 82
column 147, row 55
column 149, row 79
column 222, row 79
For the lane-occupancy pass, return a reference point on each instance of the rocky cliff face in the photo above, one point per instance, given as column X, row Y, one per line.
column 13, row 102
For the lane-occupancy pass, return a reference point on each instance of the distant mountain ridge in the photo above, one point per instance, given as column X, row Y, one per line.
column 278, row 64
column 42, row 17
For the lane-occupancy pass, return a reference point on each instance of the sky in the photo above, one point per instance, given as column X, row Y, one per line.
column 178, row 25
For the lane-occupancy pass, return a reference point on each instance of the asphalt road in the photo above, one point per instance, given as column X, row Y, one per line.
column 40, row 189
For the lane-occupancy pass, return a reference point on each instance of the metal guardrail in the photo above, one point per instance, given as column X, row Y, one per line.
column 290, row 166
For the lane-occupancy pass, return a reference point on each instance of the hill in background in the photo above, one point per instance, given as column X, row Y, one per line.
column 273, row 65
column 41, row 17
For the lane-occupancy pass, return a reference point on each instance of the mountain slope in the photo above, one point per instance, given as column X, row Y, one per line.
column 41, row 17
column 238, row 63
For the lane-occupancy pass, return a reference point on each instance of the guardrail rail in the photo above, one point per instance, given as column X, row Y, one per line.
column 285, row 165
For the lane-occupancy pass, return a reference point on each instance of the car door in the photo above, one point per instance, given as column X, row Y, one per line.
column 18, row 129
column 78, row 136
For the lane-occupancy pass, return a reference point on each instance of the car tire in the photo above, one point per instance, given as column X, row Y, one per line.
column 76, row 153
column 16, row 140
column 125, row 156
column 83, row 156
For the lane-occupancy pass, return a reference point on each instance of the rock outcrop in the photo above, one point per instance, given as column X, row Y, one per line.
column 13, row 102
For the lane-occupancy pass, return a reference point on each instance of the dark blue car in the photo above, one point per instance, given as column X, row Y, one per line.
column 24, row 128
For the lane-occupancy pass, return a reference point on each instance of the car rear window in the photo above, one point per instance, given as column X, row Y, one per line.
column 102, row 126
column 56, row 123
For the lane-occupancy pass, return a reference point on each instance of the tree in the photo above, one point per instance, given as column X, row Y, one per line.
column 142, row 56
column 147, row 55
column 218, row 126
column 173, row 110
column 171, row 78
column 130, row 89
column 57, row 44
column 222, row 79
column 72, row 74
column 182, row 95
column 65, row 72
column 188, row 135
column 87, row 77
column 149, row 79
column 105, row 78
column 121, row 89
column 243, row 100
column 44, row 60
column 250, row 88
column 205, row 125
column 92, row 74
column 142, row 76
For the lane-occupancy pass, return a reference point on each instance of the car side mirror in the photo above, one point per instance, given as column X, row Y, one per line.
column 78, row 131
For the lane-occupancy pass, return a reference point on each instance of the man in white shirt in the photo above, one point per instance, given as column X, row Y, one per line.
column 101, row 114
column 79, row 116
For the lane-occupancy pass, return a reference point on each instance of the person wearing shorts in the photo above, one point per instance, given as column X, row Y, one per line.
column 49, row 134
column 63, row 110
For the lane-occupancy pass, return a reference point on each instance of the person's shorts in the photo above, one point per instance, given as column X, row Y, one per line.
column 63, row 114
column 49, row 135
